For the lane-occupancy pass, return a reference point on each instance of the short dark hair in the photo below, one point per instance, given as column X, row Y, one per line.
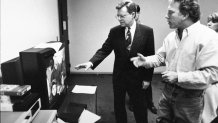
column 131, row 7
column 137, row 8
column 213, row 17
column 191, row 8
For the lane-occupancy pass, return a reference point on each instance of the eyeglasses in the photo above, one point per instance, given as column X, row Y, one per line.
column 212, row 20
column 118, row 17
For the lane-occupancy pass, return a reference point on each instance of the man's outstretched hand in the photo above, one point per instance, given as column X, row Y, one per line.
column 139, row 60
column 85, row 66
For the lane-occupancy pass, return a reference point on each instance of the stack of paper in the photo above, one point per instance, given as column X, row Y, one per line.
column 84, row 89
column 88, row 117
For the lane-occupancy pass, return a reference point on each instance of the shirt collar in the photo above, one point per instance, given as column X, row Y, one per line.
column 133, row 25
column 132, row 28
column 191, row 28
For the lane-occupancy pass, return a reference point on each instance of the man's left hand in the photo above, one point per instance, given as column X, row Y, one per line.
column 145, row 84
column 170, row 76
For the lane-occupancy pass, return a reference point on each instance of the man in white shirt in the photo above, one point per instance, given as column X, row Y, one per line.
column 190, row 54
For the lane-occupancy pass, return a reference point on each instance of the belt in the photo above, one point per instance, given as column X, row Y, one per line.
column 214, row 83
column 172, row 85
column 189, row 91
column 176, row 86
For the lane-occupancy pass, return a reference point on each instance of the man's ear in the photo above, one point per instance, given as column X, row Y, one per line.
column 133, row 14
column 185, row 16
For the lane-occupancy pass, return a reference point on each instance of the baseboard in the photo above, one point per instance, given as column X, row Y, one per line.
column 1, row 81
column 102, row 73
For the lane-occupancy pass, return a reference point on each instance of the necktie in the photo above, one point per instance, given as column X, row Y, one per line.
column 128, row 37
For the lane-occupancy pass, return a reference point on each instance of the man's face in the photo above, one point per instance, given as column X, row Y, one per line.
column 124, row 17
column 213, row 25
column 174, row 17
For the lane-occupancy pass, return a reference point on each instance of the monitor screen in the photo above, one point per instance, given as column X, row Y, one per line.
column 56, row 69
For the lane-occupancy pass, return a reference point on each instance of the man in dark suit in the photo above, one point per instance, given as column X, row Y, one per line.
column 150, row 104
column 126, row 40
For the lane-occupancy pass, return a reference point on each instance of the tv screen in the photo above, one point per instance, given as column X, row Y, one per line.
column 44, row 69
column 56, row 69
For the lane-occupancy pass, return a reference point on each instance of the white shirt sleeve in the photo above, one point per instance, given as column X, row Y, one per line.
column 156, row 60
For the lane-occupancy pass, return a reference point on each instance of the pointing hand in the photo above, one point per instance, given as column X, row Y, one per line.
column 139, row 60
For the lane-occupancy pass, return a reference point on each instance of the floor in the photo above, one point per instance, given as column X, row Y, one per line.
column 105, row 95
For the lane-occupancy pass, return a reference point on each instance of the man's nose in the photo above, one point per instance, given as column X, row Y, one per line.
column 209, row 24
column 166, row 16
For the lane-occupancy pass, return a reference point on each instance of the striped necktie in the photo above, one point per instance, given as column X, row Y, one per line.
column 128, row 37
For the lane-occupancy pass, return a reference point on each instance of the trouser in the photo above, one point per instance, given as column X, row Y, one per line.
column 138, row 101
column 149, row 97
column 215, row 120
column 178, row 105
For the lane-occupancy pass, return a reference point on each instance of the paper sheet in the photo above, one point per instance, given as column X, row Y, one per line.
column 88, row 117
column 60, row 120
column 84, row 89
column 55, row 45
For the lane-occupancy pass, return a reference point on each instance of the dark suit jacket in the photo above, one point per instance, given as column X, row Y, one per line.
column 143, row 42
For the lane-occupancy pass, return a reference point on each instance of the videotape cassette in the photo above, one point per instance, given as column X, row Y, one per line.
column 14, row 90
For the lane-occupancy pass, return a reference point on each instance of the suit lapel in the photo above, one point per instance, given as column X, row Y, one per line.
column 123, row 33
column 123, row 38
column 136, row 38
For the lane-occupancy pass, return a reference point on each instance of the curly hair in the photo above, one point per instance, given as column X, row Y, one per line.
column 213, row 17
column 190, row 8
column 137, row 8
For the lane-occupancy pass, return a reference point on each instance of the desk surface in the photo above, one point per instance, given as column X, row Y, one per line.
column 44, row 116
column 10, row 117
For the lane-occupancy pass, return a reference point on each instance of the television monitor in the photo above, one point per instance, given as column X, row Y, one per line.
column 12, row 72
column 45, row 70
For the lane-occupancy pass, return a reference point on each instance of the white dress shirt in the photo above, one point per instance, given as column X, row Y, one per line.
column 194, row 57
column 132, row 31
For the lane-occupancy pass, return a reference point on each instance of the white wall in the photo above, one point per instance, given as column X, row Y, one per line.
column 91, row 20
column 26, row 23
